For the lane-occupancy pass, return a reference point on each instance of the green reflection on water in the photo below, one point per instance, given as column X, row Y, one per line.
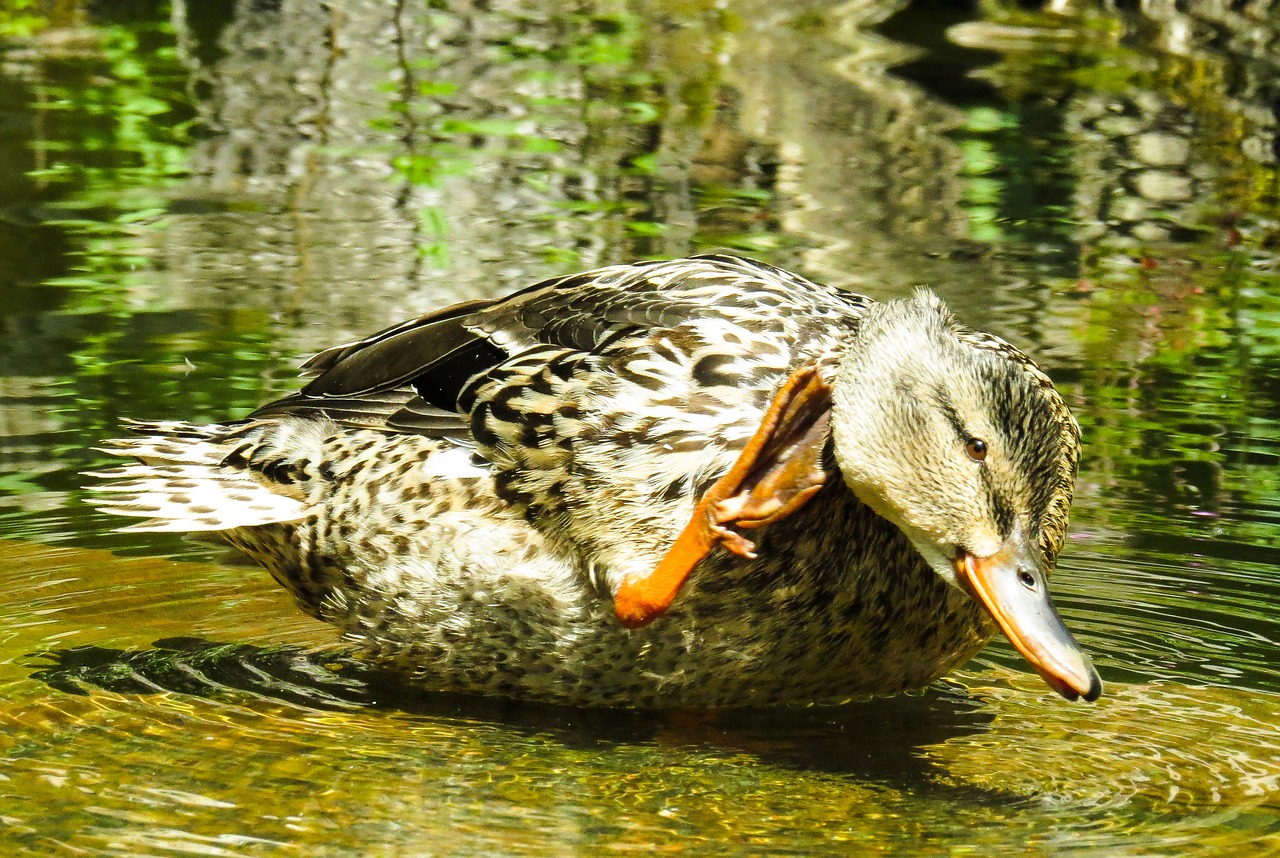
column 194, row 196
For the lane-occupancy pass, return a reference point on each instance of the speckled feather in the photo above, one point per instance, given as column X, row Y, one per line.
column 461, row 495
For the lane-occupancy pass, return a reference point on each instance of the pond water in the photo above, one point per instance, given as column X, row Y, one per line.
column 194, row 196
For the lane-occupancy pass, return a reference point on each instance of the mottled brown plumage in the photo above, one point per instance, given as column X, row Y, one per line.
column 464, row 494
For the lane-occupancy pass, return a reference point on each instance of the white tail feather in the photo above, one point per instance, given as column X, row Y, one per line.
column 183, row 485
column 153, row 449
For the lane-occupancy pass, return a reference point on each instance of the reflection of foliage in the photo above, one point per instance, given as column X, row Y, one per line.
column 1178, row 363
column 214, row 368
column 114, row 133
column 1081, row 87
column 588, row 124
column 22, row 19
column 528, row 129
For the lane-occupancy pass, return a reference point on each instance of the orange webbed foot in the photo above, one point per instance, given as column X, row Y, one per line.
column 777, row 472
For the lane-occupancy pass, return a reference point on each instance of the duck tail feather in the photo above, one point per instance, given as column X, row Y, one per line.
column 182, row 482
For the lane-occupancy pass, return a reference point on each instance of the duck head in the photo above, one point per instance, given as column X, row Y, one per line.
column 959, row 440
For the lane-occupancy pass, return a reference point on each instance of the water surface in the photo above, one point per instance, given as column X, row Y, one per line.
column 195, row 196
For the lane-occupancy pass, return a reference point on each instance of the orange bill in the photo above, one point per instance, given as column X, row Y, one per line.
column 779, row 470
column 1013, row 588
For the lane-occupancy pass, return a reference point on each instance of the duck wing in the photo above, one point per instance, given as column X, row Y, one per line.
column 409, row 377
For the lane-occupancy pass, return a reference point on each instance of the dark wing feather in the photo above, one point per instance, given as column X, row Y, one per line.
column 420, row 417
column 368, row 410
column 327, row 359
column 399, row 354
column 398, row 410
column 404, row 378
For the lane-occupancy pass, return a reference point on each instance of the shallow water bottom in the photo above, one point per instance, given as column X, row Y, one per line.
column 229, row 741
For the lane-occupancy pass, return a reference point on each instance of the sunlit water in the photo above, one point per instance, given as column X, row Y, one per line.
column 192, row 198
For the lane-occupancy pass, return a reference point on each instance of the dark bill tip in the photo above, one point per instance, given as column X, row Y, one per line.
column 1014, row 590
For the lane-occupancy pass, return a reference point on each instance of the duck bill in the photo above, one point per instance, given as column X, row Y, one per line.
column 1013, row 588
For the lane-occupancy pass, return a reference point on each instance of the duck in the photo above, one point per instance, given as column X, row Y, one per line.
column 703, row 482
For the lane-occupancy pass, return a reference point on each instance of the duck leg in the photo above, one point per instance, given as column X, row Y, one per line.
column 781, row 467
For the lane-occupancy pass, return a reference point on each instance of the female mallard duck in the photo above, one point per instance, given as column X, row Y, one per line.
column 506, row 497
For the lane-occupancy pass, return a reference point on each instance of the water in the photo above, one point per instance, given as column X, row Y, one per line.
column 193, row 197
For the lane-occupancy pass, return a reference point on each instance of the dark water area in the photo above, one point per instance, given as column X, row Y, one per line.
column 193, row 197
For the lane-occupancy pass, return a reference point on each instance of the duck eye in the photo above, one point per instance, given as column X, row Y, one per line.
column 976, row 448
